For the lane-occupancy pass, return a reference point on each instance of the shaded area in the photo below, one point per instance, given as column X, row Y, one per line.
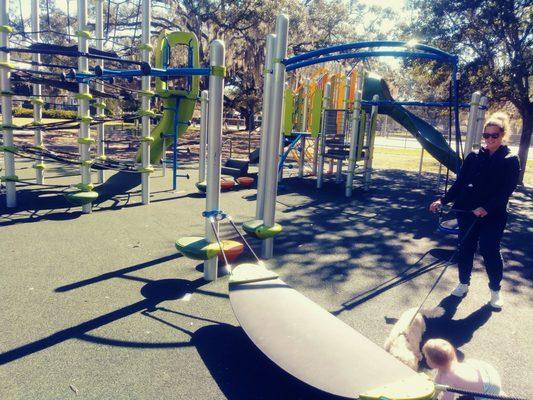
column 242, row 372
column 378, row 233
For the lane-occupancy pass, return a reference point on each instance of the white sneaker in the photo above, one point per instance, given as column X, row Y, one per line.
column 496, row 300
column 461, row 290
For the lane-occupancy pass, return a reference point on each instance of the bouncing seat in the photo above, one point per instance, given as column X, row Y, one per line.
column 245, row 181
column 259, row 230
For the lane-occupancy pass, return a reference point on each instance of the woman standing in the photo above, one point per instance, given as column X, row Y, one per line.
column 484, row 184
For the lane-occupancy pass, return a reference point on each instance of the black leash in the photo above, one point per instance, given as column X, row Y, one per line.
column 446, row 265
column 444, row 388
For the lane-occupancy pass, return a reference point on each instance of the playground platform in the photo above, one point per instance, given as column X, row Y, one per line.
column 101, row 306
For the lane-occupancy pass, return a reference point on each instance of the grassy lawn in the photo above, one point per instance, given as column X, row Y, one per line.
column 384, row 157
column 409, row 159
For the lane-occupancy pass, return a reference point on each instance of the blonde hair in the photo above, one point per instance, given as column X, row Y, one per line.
column 439, row 353
column 501, row 120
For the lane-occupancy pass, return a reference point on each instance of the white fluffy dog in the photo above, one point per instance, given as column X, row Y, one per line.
column 404, row 339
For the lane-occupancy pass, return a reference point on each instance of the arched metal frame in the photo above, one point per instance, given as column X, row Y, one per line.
column 406, row 50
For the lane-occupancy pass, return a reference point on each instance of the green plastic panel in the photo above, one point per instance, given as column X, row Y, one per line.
column 183, row 100
column 316, row 112
column 288, row 112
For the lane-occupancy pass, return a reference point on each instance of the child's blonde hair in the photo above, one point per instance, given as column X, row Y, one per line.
column 439, row 353
column 501, row 120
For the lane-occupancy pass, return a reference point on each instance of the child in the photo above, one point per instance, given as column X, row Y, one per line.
column 471, row 375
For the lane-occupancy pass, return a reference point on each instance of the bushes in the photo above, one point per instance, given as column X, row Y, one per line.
column 58, row 114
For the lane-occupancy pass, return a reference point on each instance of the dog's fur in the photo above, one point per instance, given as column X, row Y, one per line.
column 404, row 339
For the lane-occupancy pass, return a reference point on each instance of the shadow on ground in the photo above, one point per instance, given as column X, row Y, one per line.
column 380, row 233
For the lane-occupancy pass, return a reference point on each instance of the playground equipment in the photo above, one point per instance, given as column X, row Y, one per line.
column 371, row 96
column 345, row 126
column 205, row 247
column 178, row 104
column 291, row 330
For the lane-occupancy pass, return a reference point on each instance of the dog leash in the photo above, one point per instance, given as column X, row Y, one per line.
column 446, row 265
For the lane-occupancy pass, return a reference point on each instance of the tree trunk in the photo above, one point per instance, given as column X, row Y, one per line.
column 525, row 139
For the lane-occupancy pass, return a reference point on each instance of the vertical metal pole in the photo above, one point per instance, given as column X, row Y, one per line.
column 420, row 165
column 214, row 131
column 100, row 106
column 455, row 96
column 354, row 140
column 472, row 122
column 345, row 128
column 479, row 123
column 84, row 138
column 274, row 132
column 37, row 100
column 7, row 105
column 370, row 143
column 325, row 105
column 164, row 159
column 175, row 146
column 304, row 129
column 263, row 146
column 146, row 93
column 203, row 134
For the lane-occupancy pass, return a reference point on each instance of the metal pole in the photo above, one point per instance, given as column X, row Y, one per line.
column 325, row 105
column 214, row 131
column 37, row 100
column 274, row 132
column 203, row 134
column 472, row 122
column 479, row 123
column 344, row 126
column 356, row 130
column 370, row 143
column 84, row 138
column 304, row 129
column 146, row 94
column 263, row 146
column 354, row 140
column 100, row 106
column 456, row 108
column 7, row 104
column 420, row 164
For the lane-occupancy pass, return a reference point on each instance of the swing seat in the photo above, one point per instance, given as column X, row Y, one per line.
column 201, row 186
column 245, row 181
column 81, row 198
column 226, row 183
column 197, row 248
column 259, row 230
column 232, row 249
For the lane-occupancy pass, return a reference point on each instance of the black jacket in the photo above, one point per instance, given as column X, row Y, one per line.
column 485, row 181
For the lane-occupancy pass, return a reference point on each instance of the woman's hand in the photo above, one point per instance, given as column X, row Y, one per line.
column 480, row 212
column 435, row 206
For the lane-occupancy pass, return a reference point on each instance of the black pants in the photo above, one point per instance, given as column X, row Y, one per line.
column 488, row 232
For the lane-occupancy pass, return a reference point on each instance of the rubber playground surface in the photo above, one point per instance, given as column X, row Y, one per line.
column 101, row 306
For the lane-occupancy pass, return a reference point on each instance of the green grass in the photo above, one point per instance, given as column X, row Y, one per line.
column 409, row 159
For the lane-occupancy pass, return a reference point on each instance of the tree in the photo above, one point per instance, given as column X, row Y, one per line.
column 494, row 41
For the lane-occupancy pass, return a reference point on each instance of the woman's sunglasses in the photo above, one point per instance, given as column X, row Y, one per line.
column 491, row 135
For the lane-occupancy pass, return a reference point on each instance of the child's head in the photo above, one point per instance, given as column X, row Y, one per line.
column 439, row 353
